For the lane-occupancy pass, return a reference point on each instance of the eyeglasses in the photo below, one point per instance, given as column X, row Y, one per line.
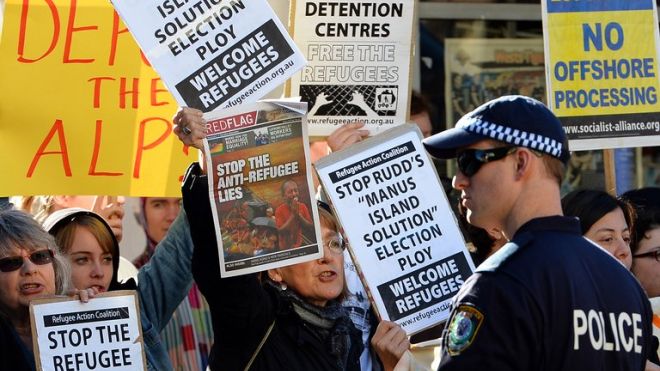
column 13, row 263
column 655, row 254
column 470, row 160
column 336, row 244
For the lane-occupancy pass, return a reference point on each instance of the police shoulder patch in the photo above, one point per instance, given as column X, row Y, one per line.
column 463, row 328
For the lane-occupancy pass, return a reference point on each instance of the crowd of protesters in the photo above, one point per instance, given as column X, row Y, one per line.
column 556, row 278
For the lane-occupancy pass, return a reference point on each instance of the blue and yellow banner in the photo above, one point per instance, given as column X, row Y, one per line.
column 81, row 110
column 602, row 71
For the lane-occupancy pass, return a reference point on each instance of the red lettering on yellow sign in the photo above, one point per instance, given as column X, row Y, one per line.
column 58, row 129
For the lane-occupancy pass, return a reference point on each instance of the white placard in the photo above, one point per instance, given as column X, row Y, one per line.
column 402, row 232
column 102, row 334
column 213, row 54
column 359, row 69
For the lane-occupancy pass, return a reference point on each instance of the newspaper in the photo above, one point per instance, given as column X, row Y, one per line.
column 261, row 188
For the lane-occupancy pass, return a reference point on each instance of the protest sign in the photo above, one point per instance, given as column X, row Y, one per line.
column 359, row 54
column 602, row 71
column 402, row 233
column 81, row 112
column 655, row 304
column 479, row 70
column 260, row 186
column 213, row 54
column 102, row 334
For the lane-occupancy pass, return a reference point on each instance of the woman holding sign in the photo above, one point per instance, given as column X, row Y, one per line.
column 87, row 240
column 31, row 266
column 290, row 318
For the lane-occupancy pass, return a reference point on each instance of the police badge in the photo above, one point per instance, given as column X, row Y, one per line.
column 463, row 328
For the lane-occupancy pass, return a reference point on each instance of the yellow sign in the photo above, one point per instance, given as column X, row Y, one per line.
column 602, row 71
column 81, row 110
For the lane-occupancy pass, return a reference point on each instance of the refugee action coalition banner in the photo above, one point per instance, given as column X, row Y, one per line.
column 213, row 53
column 602, row 71
column 479, row 70
column 359, row 54
column 260, row 186
column 102, row 334
column 81, row 111
column 403, row 235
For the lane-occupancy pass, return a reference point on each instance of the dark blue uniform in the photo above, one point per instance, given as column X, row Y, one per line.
column 549, row 300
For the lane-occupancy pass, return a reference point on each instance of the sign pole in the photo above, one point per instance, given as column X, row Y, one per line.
column 610, row 171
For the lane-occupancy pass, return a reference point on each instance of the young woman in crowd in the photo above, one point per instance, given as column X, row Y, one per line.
column 291, row 318
column 645, row 247
column 609, row 222
column 188, row 335
column 604, row 219
column 93, row 251
column 646, row 239
column 31, row 266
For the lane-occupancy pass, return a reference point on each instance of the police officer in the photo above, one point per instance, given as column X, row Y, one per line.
column 549, row 299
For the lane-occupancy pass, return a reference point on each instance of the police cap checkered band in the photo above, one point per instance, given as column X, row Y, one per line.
column 513, row 119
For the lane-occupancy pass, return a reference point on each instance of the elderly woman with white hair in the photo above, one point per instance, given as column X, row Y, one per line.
column 31, row 266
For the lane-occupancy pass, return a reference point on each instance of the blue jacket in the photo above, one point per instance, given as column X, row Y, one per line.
column 162, row 285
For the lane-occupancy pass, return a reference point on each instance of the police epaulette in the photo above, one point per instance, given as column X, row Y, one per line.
column 500, row 256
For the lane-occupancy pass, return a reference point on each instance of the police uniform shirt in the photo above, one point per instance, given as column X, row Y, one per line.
column 549, row 300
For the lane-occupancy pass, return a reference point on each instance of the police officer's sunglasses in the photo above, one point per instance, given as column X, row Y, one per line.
column 470, row 160
column 40, row 257
column 654, row 254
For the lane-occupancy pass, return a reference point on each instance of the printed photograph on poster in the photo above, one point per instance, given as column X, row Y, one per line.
column 404, row 238
column 263, row 198
column 479, row 70
column 213, row 54
column 359, row 56
column 104, row 333
column 602, row 73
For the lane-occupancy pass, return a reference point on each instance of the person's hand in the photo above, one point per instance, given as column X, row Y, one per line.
column 358, row 99
column 650, row 366
column 321, row 99
column 112, row 210
column 390, row 343
column 294, row 206
column 83, row 295
column 190, row 127
column 347, row 135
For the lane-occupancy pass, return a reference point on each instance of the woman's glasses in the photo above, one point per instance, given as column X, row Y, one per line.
column 470, row 160
column 40, row 257
column 654, row 254
column 336, row 244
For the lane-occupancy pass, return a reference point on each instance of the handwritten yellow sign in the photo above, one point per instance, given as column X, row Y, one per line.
column 81, row 109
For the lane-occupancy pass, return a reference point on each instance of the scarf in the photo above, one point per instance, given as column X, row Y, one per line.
column 331, row 323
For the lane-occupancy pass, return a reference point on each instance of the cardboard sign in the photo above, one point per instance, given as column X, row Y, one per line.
column 261, row 187
column 102, row 334
column 403, row 235
column 655, row 304
column 213, row 54
column 359, row 68
column 81, row 111
column 479, row 70
column 602, row 71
